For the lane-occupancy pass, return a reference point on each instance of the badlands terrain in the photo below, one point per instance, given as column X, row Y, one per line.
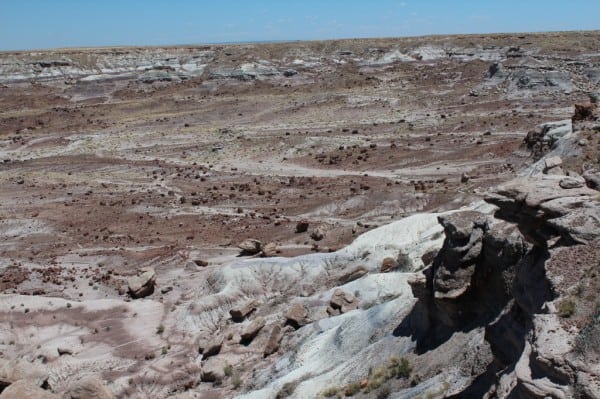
column 373, row 218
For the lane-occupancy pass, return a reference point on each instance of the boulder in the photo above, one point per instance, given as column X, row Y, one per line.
column 592, row 178
column 26, row 389
column 297, row 316
column 552, row 163
column 213, row 370
column 20, row 369
column 142, row 284
column 239, row 313
column 210, row 347
column 270, row 250
column 571, row 182
column 273, row 342
column 343, row 301
column 251, row 330
column 250, row 247
column 89, row 388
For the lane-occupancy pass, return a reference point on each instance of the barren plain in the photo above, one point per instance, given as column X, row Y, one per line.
column 150, row 166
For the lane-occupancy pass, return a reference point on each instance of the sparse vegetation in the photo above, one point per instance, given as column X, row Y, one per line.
column 384, row 392
column 228, row 370
column 286, row 390
column 352, row 389
column 331, row 392
column 236, row 381
column 566, row 308
column 160, row 329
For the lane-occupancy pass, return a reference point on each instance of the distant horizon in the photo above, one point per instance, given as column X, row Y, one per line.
column 233, row 43
column 30, row 25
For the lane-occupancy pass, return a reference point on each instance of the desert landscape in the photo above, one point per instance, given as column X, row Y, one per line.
column 369, row 218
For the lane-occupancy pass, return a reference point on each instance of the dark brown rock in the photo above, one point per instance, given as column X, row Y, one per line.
column 273, row 342
column 388, row 265
column 239, row 313
column 302, row 226
column 210, row 347
column 251, row 330
column 297, row 316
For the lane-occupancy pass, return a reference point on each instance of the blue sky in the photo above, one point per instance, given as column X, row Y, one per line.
column 32, row 24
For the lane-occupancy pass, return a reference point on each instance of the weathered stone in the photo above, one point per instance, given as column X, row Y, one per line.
column 571, row 182
column 200, row 262
column 250, row 247
column 343, row 301
column 251, row 330
column 297, row 316
column 354, row 274
column 20, row 369
column 273, row 342
column 592, row 178
column 551, row 163
column 388, row 265
column 26, row 389
column 210, row 347
column 142, row 284
column 270, row 250
column 64, row 351
column 89, row 388
column 213, row 370
column 239, row 313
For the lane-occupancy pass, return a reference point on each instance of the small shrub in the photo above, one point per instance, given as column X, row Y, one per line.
column 384, row 392
column 330, row 392
column 566, row 308
column 286, row 390
column 399, row 367
column 352, row 389
column 236, row 381
column 160, row 329
column 164, row 350
column 228, row 370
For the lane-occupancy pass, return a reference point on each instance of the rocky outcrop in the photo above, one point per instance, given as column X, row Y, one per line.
column 498, row 272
